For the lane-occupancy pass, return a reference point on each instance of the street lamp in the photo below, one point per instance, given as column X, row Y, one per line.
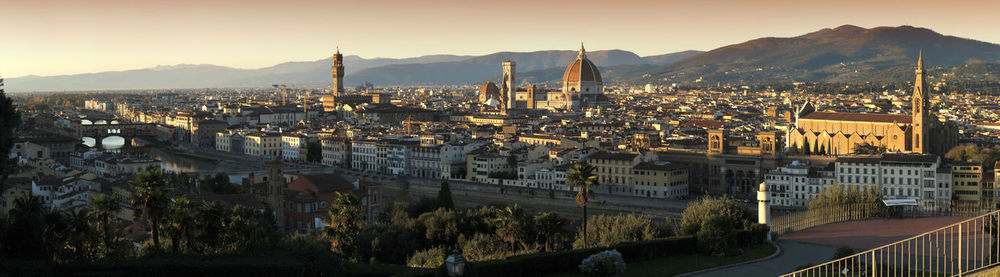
column 455, row 264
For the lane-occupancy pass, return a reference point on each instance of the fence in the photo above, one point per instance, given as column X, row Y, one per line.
column 953, row 250
column 797, row 221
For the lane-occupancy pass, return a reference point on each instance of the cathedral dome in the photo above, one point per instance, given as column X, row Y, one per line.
column 489, row 90
column 581, row 70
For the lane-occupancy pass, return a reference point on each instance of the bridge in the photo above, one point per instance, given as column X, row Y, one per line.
column 102, row 129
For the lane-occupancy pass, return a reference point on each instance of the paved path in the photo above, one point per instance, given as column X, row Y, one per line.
column 816, row 245
column 793, row 254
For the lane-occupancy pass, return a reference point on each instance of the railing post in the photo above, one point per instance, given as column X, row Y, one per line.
column 872, row 273
column 960, row 250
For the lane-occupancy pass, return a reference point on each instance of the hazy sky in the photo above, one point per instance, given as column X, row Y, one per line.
column 52, row 37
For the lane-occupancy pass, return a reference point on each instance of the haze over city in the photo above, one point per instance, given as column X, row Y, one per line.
column 54, row 37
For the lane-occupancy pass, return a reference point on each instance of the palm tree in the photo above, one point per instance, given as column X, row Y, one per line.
column 104, row 208
column 78, row 234
column 581, row 175
column 180, row 223
column 511, row 225
column 151, row 199
column 549, row 227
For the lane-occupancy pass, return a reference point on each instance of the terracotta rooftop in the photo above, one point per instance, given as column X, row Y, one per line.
column 860, row 117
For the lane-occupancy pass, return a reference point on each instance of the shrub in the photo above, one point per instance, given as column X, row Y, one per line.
column 609, row 230
column 484, row 247
column 758, row 233
column 716, row 235
column 428, row 258
column 698, row 212
column 604, row 264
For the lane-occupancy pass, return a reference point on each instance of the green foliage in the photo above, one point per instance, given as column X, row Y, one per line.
column 440, row 228
column 717, row 235
column 444, row 197
column 218, row 183
column 581, row 176
column 610, row 230
column 343, row 223
column 27, row 235
column 485, row 247
column 386, row 243
column 150, row 198
column 987, row 156
column 700, row 211
column 429, row 258
column 840, row 194
column 550, row 230
column 542, row 264
column 513, row 226
column 10, row 120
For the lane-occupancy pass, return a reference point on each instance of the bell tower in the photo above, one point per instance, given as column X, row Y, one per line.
column 920, row 114
column 717, row 141
column 508, row 89
column 337, row 70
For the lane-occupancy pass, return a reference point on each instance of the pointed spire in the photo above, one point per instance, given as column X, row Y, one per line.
column 920, row 61
column 338, row 49
column 583, row 53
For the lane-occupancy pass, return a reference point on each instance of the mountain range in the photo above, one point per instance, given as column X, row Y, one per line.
column 844, row 54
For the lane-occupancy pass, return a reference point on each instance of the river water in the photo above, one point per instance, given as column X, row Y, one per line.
column 168, row 161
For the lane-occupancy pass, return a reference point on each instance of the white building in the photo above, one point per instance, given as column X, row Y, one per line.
column 900, row 176
column 292, row 146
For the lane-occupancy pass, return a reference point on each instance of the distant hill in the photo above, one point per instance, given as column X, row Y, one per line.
column 843, row 54
column 484, row 67
column 433, row 69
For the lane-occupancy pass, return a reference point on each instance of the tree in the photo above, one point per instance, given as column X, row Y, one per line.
column 26, row 234
column 610, row 230
column 581, row 176
column 444, row 197
column 551, row 230
column 314, row 152
column 512, row 226
column 698, row 212
column 10, row 119
column 343, row 223
column 180, row 223
column 150, row 198
column 716, row 234
column 429, row 258
column 104, row 207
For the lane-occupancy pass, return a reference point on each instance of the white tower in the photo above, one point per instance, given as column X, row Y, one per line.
column 763, row 205
column 508, row 89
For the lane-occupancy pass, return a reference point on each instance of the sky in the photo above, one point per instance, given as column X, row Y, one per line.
column 57, row 37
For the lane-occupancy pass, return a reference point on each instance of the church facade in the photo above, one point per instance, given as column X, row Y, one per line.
column 835, row 133
column 582, row 87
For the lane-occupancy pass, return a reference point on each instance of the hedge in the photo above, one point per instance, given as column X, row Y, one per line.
column 541, row 264
column 554, row 262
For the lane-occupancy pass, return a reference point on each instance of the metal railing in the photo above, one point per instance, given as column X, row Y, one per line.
column 801, row 220
column 955, row 250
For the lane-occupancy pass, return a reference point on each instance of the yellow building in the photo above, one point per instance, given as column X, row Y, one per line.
column 967, row 186
column 659, row 180
column 834, row 133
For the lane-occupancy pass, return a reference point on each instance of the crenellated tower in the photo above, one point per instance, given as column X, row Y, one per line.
column 337, row 70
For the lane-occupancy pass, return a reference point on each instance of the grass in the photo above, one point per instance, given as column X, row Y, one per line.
column 673, row 265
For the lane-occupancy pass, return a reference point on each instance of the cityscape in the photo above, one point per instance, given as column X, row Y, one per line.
column 843, row 150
